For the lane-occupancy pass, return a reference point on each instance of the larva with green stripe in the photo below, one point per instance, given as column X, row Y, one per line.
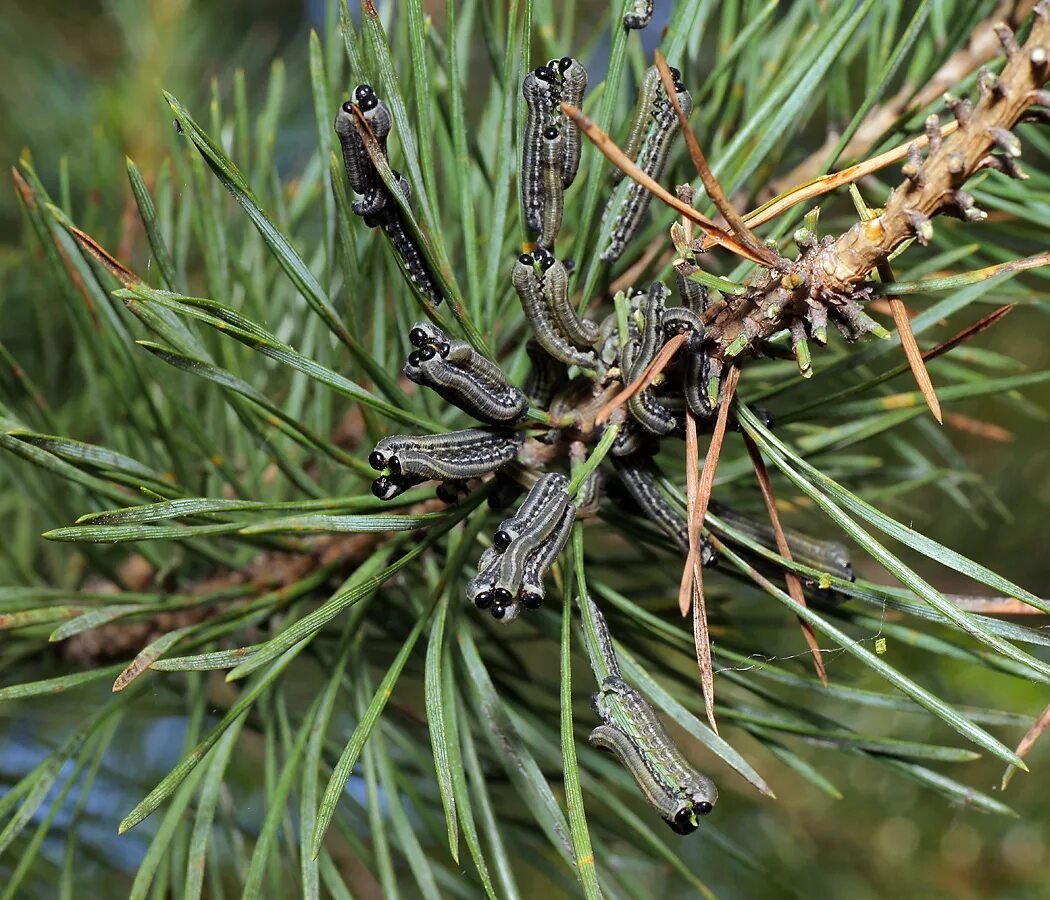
column 630, row 202
column 407, row 460
column 633, row 733
column 581, row 333
column 649, row 92
column 696, row 368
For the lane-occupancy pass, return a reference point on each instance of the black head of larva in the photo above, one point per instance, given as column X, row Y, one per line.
column 443, row 347
column 543, row 73
column 526, row 259
column 531, row 600
column 501, row 541
column 483, row 600
column 551, row 133
column 414, row 359
column 377, row 460
column 498, row 612
column 546, row 262
column 424, row 353
column 368, row 103
column 703, row 808
column 417, row 337
column 565, row 63
column 364, row 90
column 502, row 597
column 684, row 821
column 348, row 107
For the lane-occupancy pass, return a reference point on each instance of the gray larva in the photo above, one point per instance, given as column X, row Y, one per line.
column 638, row 354
column 639, row 477
column 377, row 207
column 694, row 295
column 648, row 96
column 552, row 158
column 581, row 333
column 632, row 731
column 510, row 573
column 536, row 566
column 573, row 87
column 539, row 91
column 360, row 171
column 641, row 15
column 463, row 377
column 682, row 320
column 829, row 556
column 652, row 159
column 534, row 301
column 456, row 456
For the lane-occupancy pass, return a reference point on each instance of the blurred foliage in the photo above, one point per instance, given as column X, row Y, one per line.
column 81, row 88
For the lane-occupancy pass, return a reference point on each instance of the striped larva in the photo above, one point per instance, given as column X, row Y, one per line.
column 629, row 203
column 589, row 495
column 641, row 15
column 638, row 353
column 408, row 460
column 360, row 171
column 696, row 371
column 463, row 377
column 632, row 731
column 540, row 93
column 510, row 572
column 529, row 283
column 552, row 158
column 639, row 477
column 536, row 566
column 549, row 489
column 573, row 87
column 648, row 96
column 546, row 375
column 581, row 333
column 828, row 556
column 416, row 267
column 695, row 295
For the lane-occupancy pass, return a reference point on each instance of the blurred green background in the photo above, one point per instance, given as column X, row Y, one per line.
column 84, row 80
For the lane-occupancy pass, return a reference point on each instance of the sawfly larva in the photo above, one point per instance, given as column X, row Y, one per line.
column 634, row 734
column 573, row 87
column 540, row 93
column 629, row 203
column 552, row 158
column 408, row 460
column 639, row 477
column 463, row 377
column 640, row 16
column 535, row 301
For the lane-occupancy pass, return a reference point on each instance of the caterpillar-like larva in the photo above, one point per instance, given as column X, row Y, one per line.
column 632, row 731
column 407, row 460
column 463, row 377
column 638, row 353
column 640, row 16
column 629, row 203
column 537, row 288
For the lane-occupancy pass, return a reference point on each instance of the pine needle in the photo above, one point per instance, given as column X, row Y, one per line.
column 711, row 185
column 625, row 164
column 794, row 586
column 643, row 381
column 1028, row 742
